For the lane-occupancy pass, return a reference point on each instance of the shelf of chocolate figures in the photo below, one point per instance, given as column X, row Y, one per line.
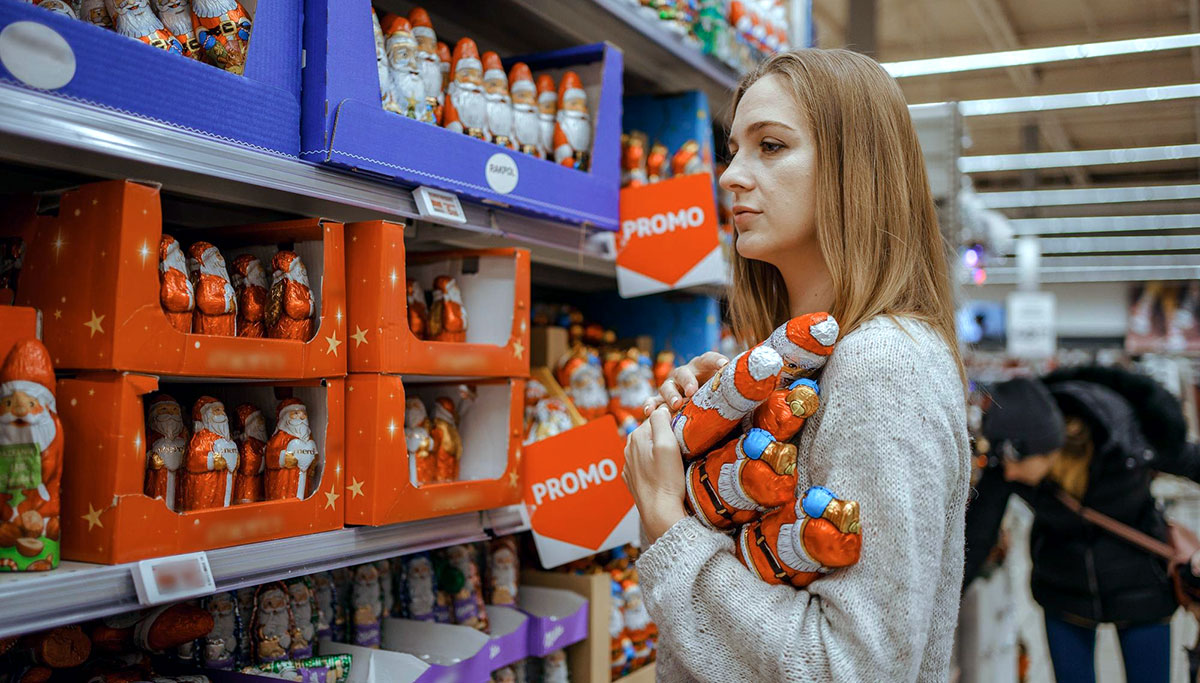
column 246, row 52
column 129, row 304
column 566, row 168
column 463, row 446
column 262, row 461
column 475, row 323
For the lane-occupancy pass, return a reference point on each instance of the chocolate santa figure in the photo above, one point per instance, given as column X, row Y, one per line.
column 525, row 129
column 503, row 570
column 323, row 594
column 786, row 409
column 573, row 124
column 368, row 606
column 429, row 65
column 554, row 668
column 687, row 160
column 547, row 101
column 420, row 587
column 633, row 160
column 447, row 440
column 291, row 307
column 628, row 389
column 94, row 12
column 251, row 438
column 223, row 29
column 176, row 16
column 418, row 442
column 133, row 18
column 175, row 293
column 459, row 576
column 250, row 288
column 418, row 311
column 31, row 448
column 657, row 164
column 406, row 90
column 581, row 378
column 167, row 441
column 638, row 626
column 245, row 603
column 381, row 64
column 211, row 460
column 798, row 543
column 447, row 315
column 221, row 643
column 386, row 585
column 273, row 624
column 56, row 6
column 550, row 418
column 444, row 57
column 300, row 596
column 738, row 481
column 499, row 102
column 216, row 303
column 291, row 454
column 466, row 102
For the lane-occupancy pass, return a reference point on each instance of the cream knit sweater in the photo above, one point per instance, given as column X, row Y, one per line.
column 891, row 434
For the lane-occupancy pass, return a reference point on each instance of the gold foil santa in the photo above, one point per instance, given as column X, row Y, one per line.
column 250, row 287
column 499, row 102
column 429, row 64
column 175, row 293
column 466, row 102
column 547, row 100
column 418, row 312
column 133, row 18
column 291, row 307
column 447, row 316
column 31, row 450
column 447, row 440
column 525, row 128
column 406, row 90
column 419, row 442
column 212, row 459
column 216, row 305
column 573, row 124
column 176, row 16
column 291, row 454
column 167, row 442
column 251, row 439
column 223, row 29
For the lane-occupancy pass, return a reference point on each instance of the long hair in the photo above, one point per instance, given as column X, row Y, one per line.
column 875, row 219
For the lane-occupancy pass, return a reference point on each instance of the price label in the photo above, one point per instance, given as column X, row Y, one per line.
column 438, row 206
column 168, row 579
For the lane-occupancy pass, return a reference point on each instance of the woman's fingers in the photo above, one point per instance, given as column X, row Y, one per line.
column 704, row 366
column 651, row 403
column 662, row 435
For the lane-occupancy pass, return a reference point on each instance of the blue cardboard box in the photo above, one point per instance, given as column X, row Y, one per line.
column 345, row 125
column 672, row 120
column 96, row 67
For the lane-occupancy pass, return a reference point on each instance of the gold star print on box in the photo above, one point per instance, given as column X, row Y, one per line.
column 518, row 350
column 359, row 336
column 95, row 324
column 93, row 517
column 334, row 343
column 331, row 498
column 356, row 487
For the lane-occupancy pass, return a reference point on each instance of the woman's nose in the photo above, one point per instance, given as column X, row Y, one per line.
column 735, row 178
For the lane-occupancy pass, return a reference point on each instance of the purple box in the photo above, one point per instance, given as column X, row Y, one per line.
column 95, row 67
column 510, row 636
column 216, row 676
column 457, row 654
column 344, row 124
column 557, row 618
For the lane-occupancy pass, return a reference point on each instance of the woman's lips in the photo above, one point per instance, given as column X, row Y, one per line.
column 742, row 216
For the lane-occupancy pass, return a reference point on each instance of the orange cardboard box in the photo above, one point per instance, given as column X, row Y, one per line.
column 105, row 516
column 379, row 476
column 495, row 289
column 93, row 271
column 17, row 323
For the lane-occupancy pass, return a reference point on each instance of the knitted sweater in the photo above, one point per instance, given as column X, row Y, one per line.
column 891, row 434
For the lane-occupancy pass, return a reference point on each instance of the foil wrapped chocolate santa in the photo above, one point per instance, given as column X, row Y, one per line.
column 291, row 454
column 581, row 377
column 222, row 28
column 291, row 307
column 167, row 442
column 134, row 18
column 95, row 12
column 219, row 647
column 250, row 288
column 504, row 570
column 573, row 124
column 420, row 587
column 447, row 315
column 418, row 311
column 499, row 101
column 272, row 624
column 526, row 131
column 176, row 16
column 368, row 607
column 406, row 90
column 419, row 442
column 175, row 293
column 381, row 65
column 216, row 302
column 460, row 578
column 304, row 610
column 547, row 100
column 430, row 65
column 447, row 441
column 741, row 479
column 466, row 101
column 798, row 543
column 633, row 160
column 550, row 418
column 211, row 461
column 251, row 437
column 629, row 388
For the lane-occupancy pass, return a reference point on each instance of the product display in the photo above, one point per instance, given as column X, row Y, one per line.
column 291, row 307
column 250, row 288
column 168, row 440
column 447, row 316
column 291, row 454
column 176, row 294
column 216, row 303
column 251, row 437
column 211, row 459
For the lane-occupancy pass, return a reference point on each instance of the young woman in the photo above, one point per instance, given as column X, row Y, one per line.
column 833, row 213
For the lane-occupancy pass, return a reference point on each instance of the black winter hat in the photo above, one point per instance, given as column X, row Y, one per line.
column 1024, row 414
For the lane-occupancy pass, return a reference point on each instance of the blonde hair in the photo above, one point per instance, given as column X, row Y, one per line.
column 875, row 219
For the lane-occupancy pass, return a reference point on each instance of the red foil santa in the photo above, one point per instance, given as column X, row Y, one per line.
column 133, row 18
column 499, row 102
column 583, row 382
column 418, row 312
column 466, row 102
column 291, row 454
column 573, row 124
column 212, row 458
column 419, row 442
column 223, row 29
column 429, row 64
column 447, row 316
column 444, row 57
column 525, row 128
column 167, row 441
column 290, row 311
column 628, row 389
column 741, row 479
column 251, row 439
column 798, row 543
column 216, row 303
column 447, row 441
column 176, row 16
column 250, row 287
column 175, row 293
column 547, row 101
column 406, row 91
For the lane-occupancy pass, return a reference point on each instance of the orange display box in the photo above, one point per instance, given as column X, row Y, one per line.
column 17, row 323
column 105, row 516
column 92, row 269
column 495, row 291
column 380, row 479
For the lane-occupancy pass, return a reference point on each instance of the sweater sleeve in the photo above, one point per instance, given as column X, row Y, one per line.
column 891, row 434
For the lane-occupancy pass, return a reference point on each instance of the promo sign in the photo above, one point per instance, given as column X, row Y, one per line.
column 578, row 504
column 668, row 237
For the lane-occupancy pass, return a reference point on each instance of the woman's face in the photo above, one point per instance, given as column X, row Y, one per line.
column 772, row 175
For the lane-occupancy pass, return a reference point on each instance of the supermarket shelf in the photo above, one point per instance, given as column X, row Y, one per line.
column 78, row 591
column 45, row 131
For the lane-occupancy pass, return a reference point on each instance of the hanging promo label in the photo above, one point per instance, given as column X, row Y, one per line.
column 177, row 577
column 439, row 206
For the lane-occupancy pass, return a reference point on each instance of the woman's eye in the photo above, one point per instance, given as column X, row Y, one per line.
column 770, row 147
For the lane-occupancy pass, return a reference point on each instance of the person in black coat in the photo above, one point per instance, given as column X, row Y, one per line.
column 1098, row 434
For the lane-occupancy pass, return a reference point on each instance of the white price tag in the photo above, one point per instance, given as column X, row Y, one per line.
column 167, row 579
column 439, row 206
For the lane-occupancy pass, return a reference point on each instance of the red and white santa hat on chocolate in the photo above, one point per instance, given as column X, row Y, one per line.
column 288, row 406
column 570, row 89
column 28, row 368
column 244, row 412
column 443, row 54
column 202, row 412
column 493, row 69
column 466, row 56
column 520, row 79
column 396, row 26
column 444, row 409
column 547, row 93
column 421, row 25
column 805, row 341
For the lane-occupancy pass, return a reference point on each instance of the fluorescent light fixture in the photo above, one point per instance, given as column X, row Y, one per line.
column 1088, row 195
column 1039, row 55
column 1093, row 157
column 1096, row 245
column 1103, row 224
column 1076, row 100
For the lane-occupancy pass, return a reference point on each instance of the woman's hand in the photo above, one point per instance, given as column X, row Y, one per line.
column 685, row 380
column 654, row 474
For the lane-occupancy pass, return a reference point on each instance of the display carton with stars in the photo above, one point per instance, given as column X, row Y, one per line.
column 92, row 270
column 495, row 290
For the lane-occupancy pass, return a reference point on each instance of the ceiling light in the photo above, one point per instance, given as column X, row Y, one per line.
column 1101, row 224
column 1091, row 195
column 1092, row 157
